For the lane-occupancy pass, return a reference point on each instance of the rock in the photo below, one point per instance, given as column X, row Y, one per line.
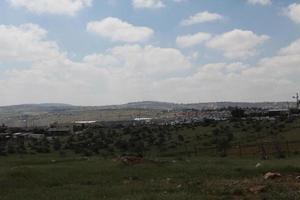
column 272, row 175
column 257, row 165
column 131, row 160
column 257, row 189
column 298, row 178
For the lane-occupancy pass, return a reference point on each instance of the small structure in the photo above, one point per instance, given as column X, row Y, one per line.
column 278, row 112
column 35, row 136
column 59, row 131
column 20, row 135
column 143, row 120
column 81, row 125
column 85, row 122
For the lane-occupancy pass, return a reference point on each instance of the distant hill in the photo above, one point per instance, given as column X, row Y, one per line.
column 44, row 114
column 32, row 108
column 200, row 106
column 146, row 105
column 149, row 105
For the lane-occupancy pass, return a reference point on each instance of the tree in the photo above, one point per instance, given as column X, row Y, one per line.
column 11, row 147
column 3, row 146
column 3, row 128
column 139, row 149
column 276, row 140
column 180, row 138
column 42, row 146
column 237, row 113
column 222, row 140
column 57, row 144
column 20, row 147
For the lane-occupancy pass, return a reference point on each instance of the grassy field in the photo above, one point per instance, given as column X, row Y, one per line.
column 248, row 135
column 170, row 171
column 49, row 177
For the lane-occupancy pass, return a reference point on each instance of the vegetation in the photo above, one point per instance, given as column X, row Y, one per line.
column 208, row 160
column 237, row 137
column 51, row 176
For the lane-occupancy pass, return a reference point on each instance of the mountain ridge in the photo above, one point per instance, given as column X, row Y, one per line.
column 156, row 105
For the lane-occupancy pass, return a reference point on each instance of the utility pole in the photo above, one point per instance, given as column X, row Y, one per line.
column 297, row 100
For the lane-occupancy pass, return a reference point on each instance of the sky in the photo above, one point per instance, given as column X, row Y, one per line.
column 103, row 52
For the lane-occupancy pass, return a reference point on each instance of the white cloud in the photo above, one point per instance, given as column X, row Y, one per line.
column 120, row 74
column 141, row 61
column 292, row 49
column 25, row 43
column 237, row 43
column 274, row 78
column 118, row 30
column 224, row 68
column 201, row 17
column 192, row 40
column 261, row 2
column 151, row 4
column 61, row 7
column 293, row 12
column 39, row 71
column 134, row 72
column 148, row 4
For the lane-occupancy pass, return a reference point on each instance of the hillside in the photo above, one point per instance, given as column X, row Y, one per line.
column 43, row 114
column 155, row 105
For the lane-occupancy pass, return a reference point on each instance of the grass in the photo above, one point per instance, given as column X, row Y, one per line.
column 48, row 177
column 245, row 135
column 177, row 175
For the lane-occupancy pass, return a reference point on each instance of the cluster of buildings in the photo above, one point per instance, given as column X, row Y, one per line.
column 193, row 115
column 184, row 116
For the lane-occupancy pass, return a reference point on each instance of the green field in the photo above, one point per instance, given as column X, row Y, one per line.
column 48, row 177
column 183, row 162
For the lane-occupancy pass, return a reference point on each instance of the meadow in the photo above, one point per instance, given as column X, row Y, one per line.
column 48, row 177
column 223, row 160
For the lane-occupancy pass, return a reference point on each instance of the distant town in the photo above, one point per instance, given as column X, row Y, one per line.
column 52, row 120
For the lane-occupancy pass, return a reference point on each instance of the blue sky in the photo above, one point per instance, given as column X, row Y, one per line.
column 239, row 53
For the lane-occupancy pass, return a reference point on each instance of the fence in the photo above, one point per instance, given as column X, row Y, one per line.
column 266, row 149
column 262, row 150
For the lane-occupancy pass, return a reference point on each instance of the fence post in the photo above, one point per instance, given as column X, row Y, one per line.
column 288, row 148
column 196, row 150
column 240, row 150
column 264, row 155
